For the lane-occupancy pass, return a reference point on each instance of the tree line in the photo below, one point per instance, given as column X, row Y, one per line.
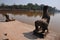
column 29, row 6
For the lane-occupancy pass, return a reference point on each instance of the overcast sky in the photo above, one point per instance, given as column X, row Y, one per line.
column 53, row 3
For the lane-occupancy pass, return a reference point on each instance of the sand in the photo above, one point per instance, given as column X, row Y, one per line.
column 16, row 30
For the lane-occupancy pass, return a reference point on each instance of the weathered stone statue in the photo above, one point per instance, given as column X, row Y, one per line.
column 43, row 23
column 7, row 18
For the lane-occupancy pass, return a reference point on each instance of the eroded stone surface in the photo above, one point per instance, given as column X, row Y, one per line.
column 20, row 31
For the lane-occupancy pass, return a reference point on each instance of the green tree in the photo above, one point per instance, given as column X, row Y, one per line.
column 29, row 6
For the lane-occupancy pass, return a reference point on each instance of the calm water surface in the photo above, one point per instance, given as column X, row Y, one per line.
column 30, row 18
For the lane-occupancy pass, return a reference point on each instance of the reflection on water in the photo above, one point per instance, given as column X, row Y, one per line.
column 26, row 17
column 31, row 17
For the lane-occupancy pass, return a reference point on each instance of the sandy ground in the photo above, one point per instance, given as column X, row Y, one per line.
column 16, row 30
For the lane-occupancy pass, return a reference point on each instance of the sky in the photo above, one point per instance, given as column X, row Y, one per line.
column 53, row 3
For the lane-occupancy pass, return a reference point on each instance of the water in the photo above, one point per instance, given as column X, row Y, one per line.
column 55, row 23
column 31, row 17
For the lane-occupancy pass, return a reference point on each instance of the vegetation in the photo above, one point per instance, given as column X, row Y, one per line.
column 29, row 6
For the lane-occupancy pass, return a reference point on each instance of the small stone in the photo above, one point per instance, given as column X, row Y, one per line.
column 5, row 34
column 5, row 39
